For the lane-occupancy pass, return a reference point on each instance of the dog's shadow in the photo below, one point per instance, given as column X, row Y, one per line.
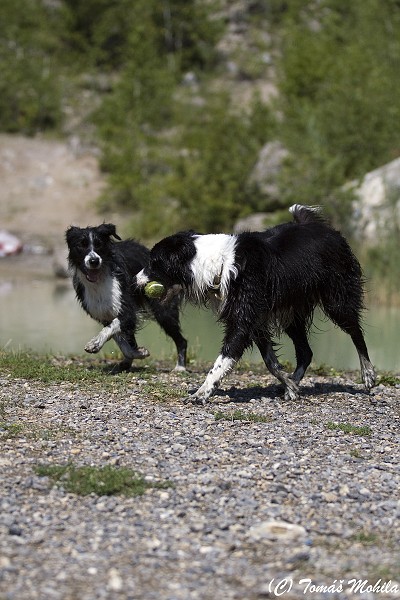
column 116, row 368
column 272, row 391
column 276, row 392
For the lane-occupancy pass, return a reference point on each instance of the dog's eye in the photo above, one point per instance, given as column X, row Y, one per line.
column 100, row 242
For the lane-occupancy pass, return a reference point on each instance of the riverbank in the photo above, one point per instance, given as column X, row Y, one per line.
column 261, row 491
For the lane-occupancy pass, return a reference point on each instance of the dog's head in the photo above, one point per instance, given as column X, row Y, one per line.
column 90, row 249
column 169, row 263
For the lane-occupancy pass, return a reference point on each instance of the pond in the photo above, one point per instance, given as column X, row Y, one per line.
column 43, row 315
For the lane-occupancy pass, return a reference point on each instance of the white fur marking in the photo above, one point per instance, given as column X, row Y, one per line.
column 221, row 367
column 141, row 278
column 92, row 254
column 295, row 207
column 103, row 299
column 215, row 258
column 96, row 344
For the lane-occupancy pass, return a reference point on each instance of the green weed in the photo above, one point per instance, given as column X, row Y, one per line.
column 365, row 538
column 324, row 370
column 240, row 415
column 388, row 379
column 162, row 392
column 11, row 430
column 355, row 453
column 32, row 431
column 348, row 428
column 102, row 481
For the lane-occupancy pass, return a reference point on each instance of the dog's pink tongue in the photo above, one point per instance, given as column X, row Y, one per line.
column 92, row 276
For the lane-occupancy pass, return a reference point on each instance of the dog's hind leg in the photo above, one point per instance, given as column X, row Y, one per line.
column 273, row 365
column 349, row 322
column 298, row 334
column 368, row 374
column 129, row 348
column 168, row 319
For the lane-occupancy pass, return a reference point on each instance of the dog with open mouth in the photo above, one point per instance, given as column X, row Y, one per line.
column 261, row 284
column 103, row 272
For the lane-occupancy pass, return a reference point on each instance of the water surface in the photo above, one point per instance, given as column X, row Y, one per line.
column 44, row 316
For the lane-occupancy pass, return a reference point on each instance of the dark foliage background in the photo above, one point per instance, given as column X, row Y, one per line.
column 177, row 143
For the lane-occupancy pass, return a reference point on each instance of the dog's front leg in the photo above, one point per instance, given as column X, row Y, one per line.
column 221, row 367
column 96, row 343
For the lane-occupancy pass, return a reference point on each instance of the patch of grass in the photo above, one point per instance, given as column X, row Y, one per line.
column 50, row 369
column 102, row 481
column 324, row 370
column 348, row 428
column 355, row 453
column 11, row 430
column 240, row 415
column 365, row 538
column 388, row 379
column 32, row 431
column 162, row 392
column 44, row 368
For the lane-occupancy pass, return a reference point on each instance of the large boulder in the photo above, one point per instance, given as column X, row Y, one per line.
column 264, row 176
column 376, row 209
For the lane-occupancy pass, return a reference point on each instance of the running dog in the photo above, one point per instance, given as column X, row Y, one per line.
column 261, row 284
column 103, row 272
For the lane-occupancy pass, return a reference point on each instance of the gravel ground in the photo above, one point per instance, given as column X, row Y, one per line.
column 254, row 507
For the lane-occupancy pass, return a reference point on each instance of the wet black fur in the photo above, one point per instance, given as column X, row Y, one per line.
column 123, row 260
column 284, row 273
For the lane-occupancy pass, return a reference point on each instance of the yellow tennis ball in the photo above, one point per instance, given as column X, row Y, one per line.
column 154, row 289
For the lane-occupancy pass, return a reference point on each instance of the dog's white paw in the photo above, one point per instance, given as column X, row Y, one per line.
column 368, row 375
column 199, row 397
column 292, row 392
column 140, row 353
column 93, row 346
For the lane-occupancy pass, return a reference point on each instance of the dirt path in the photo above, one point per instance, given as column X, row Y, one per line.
column 46, row 185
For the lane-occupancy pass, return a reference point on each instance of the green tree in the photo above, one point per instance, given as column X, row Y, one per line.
column 339, row 92
column 209, row 179
column 30, row 94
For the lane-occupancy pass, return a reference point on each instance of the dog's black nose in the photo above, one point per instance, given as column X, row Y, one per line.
column 94, row 261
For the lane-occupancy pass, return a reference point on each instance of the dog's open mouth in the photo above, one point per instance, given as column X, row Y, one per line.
column 92, row 275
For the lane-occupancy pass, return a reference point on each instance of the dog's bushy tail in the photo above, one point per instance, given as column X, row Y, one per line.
column 306, row 214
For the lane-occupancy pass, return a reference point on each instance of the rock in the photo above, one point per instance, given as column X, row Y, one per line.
column 376, row 209
column 254, row 222
column 276, row 531
column 9, row 244
column 265, row 173
column 115, row 583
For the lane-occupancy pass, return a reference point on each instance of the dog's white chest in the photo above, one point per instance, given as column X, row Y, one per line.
column 103, row 299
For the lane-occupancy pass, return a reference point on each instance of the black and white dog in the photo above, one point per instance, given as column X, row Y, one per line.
column 263, row 283
column 103, row 277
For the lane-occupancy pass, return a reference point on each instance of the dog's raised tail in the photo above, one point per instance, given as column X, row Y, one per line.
column 306, row 214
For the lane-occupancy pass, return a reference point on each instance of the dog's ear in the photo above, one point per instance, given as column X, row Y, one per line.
column 108, row 229
column 71, row 232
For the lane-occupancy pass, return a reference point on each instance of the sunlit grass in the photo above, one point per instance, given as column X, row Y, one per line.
column 348, row 428
column 102, row 481
column 240, row 415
